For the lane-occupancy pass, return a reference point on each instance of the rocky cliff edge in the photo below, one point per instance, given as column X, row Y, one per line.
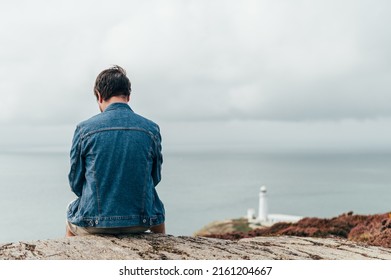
column 162, row 247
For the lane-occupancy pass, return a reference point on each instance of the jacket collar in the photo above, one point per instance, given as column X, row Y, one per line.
column 117, row 105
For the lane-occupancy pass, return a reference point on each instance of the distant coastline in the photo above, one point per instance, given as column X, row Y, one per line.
column 374, row 230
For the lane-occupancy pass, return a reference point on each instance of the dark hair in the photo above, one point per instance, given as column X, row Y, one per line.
column 112, row 82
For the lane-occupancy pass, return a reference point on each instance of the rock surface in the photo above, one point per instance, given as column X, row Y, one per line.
column 157, row 247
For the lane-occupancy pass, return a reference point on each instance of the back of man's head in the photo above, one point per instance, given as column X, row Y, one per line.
column 112, row 82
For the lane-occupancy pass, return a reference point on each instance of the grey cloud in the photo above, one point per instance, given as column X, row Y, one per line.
column 199, row 60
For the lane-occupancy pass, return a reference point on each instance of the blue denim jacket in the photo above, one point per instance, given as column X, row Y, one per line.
column 115, row 166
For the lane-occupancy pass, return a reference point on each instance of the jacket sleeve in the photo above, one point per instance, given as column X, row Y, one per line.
column 76, row 175
column 158, row 159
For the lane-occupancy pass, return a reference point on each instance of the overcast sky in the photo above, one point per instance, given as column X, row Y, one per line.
column 271, row 73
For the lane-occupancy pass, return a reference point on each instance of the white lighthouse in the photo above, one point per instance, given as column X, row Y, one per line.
column 264, row 218
column 262, row 211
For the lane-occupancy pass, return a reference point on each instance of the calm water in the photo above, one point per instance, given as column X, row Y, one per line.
column 198, row 188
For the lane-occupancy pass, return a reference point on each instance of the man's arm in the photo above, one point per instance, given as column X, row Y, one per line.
column 158, row 161
column 76, row 175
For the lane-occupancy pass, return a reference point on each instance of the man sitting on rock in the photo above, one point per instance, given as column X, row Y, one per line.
column 115, row 166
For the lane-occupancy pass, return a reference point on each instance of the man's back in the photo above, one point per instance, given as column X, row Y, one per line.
column 115, row 165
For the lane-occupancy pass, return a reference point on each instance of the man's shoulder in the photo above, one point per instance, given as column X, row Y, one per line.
column 145, row 121
column 130, row 119
column 145, row 124
column 89, row 122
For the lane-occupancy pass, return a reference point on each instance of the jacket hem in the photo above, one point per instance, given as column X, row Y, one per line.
column 117, row 221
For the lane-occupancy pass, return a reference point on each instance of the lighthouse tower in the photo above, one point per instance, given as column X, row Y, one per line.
column 262, row 211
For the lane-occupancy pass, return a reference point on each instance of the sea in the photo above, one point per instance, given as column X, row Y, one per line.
column 202, row 186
